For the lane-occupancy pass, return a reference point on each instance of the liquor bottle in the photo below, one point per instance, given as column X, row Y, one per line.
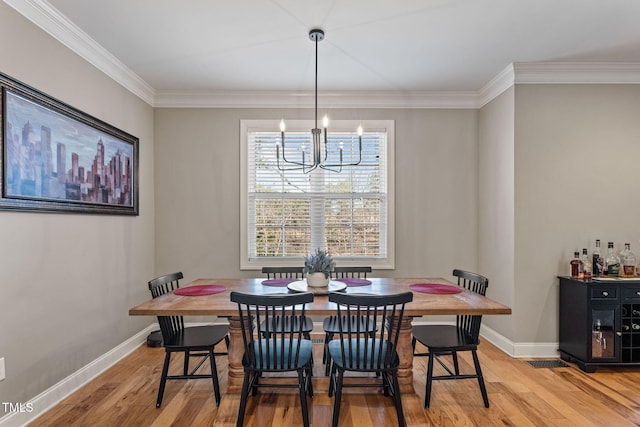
column 576, row 265
column 587, row 268
column 623, row 252
column 612, row 262
column 598, row 261
column 628, row 262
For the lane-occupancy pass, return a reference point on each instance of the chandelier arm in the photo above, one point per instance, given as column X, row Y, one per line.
column 293, row 162
column 330, row 168
column 299, row 166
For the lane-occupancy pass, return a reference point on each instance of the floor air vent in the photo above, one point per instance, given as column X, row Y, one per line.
column 317, row 340
column 555, row 363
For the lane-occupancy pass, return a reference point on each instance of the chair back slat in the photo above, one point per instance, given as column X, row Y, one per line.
column 475, row 283
column 170, row 326
column 271, row 329
column 361, row 350
column 350, row 272
column 283, row 272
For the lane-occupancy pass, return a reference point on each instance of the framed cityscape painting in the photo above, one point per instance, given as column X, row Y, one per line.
column 56, row 158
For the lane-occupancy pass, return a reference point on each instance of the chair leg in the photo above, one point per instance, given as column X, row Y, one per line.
column 309, row 382
column 163, row 378
column 332, row 380
column 303, row 396
column 243, row 399
column 413, row 343
column 427, row 395
column 398, row 400
column 483, row 389
column 214, row 377
column 338, row 397
column 386, row 383
column 456, row 367
column 326, row 357
column 326, row 350
column 186, row 362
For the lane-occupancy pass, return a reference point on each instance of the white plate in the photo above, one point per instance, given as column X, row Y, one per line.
column 301, row 286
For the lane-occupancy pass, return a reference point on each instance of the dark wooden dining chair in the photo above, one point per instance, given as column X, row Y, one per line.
column 449, row 340
column 357, row 351
column 330, row 323
column 283, row 272
column 287, row 322
column 192, row 341
column 273, row 351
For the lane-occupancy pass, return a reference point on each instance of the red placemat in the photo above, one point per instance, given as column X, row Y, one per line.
column 278, row 282
column 197, row 290
column 435, row 288
column 354, row 281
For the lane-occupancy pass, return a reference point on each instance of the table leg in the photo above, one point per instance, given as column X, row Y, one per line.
column 405, row 352
column 236, row 351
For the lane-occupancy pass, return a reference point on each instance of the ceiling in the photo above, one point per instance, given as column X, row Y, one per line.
column 397, row 46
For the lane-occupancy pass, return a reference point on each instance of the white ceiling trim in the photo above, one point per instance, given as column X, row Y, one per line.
column 342, row 99
column 42, row 14
column 503, row 81
column 577, row 73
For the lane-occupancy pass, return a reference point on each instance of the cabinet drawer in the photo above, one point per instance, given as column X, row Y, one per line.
column 631, row 293
column 604, row 293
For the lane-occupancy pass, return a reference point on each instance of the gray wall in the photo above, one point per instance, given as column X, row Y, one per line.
column 68, row 280
column 576, row 180
column 496, row 206
column 198, row 200
column 558, row 169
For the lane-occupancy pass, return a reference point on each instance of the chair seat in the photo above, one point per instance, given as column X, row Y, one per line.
column 357, row 354
column 282, row 354
column 445, row 337
column 330, row 325
column 197, row 337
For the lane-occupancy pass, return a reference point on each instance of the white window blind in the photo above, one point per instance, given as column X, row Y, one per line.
column 291, row 213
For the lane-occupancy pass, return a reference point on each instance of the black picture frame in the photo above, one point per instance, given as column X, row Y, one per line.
column 56, row 158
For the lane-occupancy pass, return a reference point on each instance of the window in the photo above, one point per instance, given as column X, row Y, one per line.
column 288, row 214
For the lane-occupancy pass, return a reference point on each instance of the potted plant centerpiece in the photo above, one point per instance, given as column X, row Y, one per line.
column 317, row 268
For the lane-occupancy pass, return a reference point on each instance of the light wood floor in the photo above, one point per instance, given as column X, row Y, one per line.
column 520, row 395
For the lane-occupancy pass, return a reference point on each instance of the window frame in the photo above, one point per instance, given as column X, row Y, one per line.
column 247, row 125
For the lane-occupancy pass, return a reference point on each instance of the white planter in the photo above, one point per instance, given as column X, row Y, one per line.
column 317, row 280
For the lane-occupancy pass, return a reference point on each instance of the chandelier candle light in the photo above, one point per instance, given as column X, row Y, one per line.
column 317, row 159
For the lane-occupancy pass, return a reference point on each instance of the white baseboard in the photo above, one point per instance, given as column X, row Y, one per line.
column 520, row 350
column 56, row 393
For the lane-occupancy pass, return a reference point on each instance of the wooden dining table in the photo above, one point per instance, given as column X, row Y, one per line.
column 219, row 304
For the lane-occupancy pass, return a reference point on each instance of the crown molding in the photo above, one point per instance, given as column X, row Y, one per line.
column 577, row 72
column 559, row 73
column 49, row 19
column 503, row 81
column 342, row 99
column 45, row 16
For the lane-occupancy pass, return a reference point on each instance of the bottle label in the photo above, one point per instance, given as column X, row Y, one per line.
column 629, row 270
column 597, row 265
column 613, row 269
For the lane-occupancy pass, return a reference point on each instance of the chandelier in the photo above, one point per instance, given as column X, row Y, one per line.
column 319, row 150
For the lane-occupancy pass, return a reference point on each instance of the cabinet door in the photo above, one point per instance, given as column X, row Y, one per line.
column 605, row 335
